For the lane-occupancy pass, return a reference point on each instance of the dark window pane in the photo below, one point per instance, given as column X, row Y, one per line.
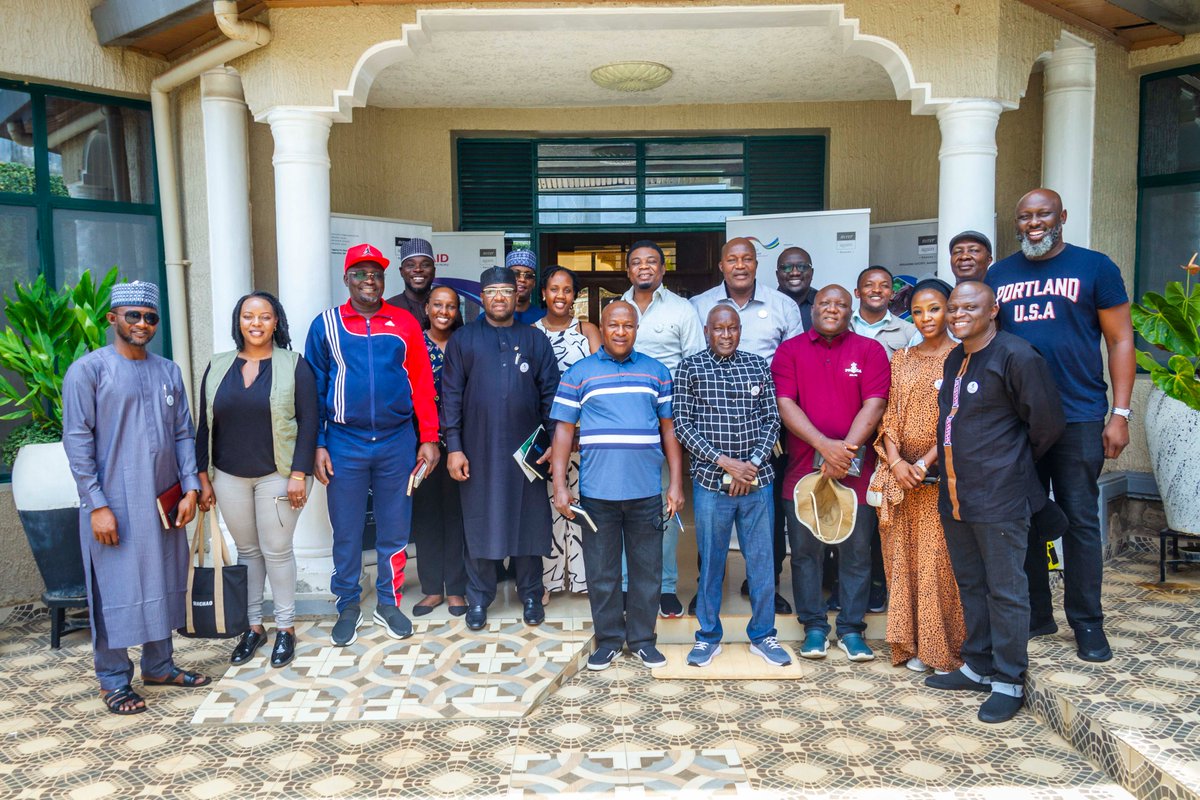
column 101, row 152
column 732, row 200
column 16, row 143
column 18, row 262
column 693, row 149
column 689, row 217
column 620, row 150
column 583, row 217
column 695, row 166
column 1171, row 124
column 1168, row 232
column 88, row 240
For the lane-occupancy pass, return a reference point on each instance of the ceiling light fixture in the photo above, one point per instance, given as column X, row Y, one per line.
column 631, row 76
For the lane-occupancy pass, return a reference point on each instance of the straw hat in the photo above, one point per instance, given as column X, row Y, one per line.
column 826, row 507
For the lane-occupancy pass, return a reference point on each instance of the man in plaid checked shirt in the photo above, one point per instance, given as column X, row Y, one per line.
column 727, row 418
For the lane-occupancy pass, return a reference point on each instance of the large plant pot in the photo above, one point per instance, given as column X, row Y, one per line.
column 48, row 503
column 1173, row 435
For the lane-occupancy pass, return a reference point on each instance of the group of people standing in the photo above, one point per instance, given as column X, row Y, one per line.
column 945, row 433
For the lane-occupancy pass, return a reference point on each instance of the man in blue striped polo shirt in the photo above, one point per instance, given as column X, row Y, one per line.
column 621, row 400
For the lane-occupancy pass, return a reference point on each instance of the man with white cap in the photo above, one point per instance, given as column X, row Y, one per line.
column 129, row 439
column 417, row 270
column 373, row 377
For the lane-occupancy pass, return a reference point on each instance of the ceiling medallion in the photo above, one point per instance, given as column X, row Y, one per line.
column 631, row 76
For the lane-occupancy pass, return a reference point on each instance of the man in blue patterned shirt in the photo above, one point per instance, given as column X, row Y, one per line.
column 621, row 400
column 726, row 417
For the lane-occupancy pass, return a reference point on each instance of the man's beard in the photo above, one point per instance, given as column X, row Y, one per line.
column 1044, row 246
column 129, row 340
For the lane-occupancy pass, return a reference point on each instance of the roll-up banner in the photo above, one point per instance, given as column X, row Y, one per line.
column 837, row 241
column 460, row 257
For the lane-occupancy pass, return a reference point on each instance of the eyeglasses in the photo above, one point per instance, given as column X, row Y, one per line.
column 134, row 317
column 363, row 274
column 523, row 274
column 503, row 291
column 788, row 269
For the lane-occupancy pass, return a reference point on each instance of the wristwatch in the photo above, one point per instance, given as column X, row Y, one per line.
column 1123, row 412
column 920, row 464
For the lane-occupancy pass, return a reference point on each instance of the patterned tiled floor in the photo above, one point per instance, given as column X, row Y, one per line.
column 842, row 730
column 1138, row 715
column 444, row 670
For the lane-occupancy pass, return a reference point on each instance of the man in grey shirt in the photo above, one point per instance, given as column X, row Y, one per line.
column 669, row 331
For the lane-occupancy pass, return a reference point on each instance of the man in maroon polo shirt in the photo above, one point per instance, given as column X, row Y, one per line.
column 832, row 386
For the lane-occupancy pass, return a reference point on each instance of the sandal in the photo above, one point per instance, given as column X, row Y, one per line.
column 190, row 680
column 119, row 697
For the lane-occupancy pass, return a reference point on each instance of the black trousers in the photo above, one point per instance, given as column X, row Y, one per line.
column 636, row 526
column 481, row 578
column 437, row 530
column 1071, row 467
column 989, row 567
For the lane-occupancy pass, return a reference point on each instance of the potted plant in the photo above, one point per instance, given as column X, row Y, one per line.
column 1171, row 322
column 47, row 331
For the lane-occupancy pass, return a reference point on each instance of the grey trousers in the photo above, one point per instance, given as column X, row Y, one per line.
column 262, row 525
column 989, row 566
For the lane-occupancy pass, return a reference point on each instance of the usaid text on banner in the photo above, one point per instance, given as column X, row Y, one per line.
column 837, row 241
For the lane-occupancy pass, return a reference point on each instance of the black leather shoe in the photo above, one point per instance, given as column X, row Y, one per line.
column 246, row 647
column 782, row 606
column 1000, row 707
column 535, row 614
column 476, row 617
column 1092, row 644
column 1042, row 628
column 956, row 681
column 284, row 650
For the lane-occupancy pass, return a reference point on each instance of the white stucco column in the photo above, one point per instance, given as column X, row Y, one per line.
column 301, row 163
column 1068, row 126
column 967, row 173
column 226, row 154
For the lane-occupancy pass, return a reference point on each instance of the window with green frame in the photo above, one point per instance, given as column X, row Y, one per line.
column 78, row 190
column 1168, row 221
column 635, row 183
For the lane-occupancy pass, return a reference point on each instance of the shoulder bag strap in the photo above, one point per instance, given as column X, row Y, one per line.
column 221, row 559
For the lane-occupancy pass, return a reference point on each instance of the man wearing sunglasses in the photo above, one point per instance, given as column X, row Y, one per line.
column 128, row 436
column 373, row 377
column 794, row 272
column 498, row 383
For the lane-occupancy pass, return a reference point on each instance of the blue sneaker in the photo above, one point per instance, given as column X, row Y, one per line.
column 703, row 653
column 769, row 650
column 855, row 648
column 651, row 657
column 601, row 658
column 816, row 643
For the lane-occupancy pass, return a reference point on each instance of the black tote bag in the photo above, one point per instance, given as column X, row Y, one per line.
column 216, row 595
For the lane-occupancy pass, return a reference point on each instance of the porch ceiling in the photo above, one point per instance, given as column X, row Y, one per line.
column 1133, row 24
column 542, row 68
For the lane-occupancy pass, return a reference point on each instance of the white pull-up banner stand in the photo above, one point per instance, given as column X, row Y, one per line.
column 837, row 241
column 460, row 257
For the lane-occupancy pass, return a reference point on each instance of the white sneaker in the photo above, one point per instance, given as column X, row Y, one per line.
column 917, row 665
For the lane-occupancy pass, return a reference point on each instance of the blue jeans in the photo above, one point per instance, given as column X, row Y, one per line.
column 716, row 513
column 636, row 526
column 854, row 573
column 1071, row 467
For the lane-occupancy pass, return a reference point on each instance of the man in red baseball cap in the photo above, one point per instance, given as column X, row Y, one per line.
column 373, row 378
column 364, row 252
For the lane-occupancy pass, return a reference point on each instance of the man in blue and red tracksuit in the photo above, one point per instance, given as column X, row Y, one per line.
column 373, row 375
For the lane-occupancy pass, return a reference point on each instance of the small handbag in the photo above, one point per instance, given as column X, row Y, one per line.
column 216, row 595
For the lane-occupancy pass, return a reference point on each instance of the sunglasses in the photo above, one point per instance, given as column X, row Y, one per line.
column 788, row 269
column 134, row 317
column 363, row 274
column 524, row 274
column 505, row 292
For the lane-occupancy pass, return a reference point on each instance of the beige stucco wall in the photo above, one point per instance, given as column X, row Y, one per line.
column 56, row 43
column 1155, row 59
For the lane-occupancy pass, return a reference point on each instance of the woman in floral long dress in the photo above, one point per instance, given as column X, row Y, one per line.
column 572, row 341
column 925, row 622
